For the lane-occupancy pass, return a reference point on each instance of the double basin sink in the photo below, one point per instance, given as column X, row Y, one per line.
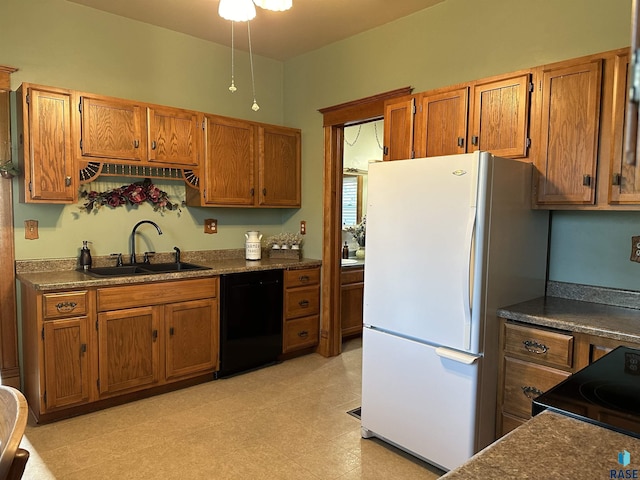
column 143, row 269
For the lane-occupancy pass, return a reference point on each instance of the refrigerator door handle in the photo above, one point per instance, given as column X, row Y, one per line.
column 467, row 276
column 456, row 356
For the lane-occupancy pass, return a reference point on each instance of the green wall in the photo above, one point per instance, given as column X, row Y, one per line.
column 55, row 42
column 461, row 40
column 59, row 43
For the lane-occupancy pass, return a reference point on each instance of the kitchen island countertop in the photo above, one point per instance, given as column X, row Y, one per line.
column 551, row 445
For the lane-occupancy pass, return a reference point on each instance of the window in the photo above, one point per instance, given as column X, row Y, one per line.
column 351, row 200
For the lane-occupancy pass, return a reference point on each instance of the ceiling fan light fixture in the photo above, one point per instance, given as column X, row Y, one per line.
column 237, row 10
column 275, row 5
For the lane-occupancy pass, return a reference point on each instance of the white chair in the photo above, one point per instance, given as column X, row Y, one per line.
column 13, row 420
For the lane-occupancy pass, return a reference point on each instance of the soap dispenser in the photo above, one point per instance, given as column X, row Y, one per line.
column 345, row 250
column 85, row 256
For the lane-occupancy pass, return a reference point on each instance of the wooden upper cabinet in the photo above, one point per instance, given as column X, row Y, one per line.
column 441, row 122
column 500, row 117
column 172, row 136
column 569, row 98
column 112, row 129
column 398, row 128
column 229, row 162
column 624, row 180
column 46, row 154
column 279, row 166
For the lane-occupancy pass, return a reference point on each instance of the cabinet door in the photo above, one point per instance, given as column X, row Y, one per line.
column 569, row 127
column 50, row 172
column 66, row 364
column 500, row 119
column 398, row 129
column 127, row 349
column 351, row 305
column 229, row 162
column 441, row 123
column 173, row 136
column 624, row 180
column 279, row 166
column 112, row 129
column 191, row 332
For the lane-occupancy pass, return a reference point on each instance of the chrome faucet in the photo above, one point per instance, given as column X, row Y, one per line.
column 133, row 237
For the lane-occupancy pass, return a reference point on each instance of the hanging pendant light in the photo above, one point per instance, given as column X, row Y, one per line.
column 275, row 5
column 237, row 10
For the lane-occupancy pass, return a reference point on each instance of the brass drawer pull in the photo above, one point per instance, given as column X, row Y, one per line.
column 303, row 334
column 535, row 347
column 531, row 392
column 303, row 278
column 303, row 303
column 65, row 307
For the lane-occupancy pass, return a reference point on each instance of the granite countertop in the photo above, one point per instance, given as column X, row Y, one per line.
column 47, row 275
column 551, row 445
column 598, row 311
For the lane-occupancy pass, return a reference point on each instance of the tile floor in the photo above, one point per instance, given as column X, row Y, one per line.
column 286, row 421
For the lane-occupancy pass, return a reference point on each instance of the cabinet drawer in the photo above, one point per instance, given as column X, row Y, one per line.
column 551, row 348
column 351, row 275
column 524, row 381
column 65, row 304
column 301, row 302
column 300, row 333
column 299, row 278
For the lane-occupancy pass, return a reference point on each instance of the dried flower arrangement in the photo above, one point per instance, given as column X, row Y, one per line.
column 359, row 231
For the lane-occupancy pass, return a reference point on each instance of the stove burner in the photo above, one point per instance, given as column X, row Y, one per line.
column 619, row 396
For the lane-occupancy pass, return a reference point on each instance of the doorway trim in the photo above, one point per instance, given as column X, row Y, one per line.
column 334, row 120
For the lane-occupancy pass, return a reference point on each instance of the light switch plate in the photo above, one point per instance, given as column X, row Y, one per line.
column 30, row 229
column 635, row 249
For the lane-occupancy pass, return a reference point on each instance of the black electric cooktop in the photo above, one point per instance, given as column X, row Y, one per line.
column 606, row 393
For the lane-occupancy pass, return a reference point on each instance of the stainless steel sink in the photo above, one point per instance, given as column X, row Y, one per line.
column 142, row 269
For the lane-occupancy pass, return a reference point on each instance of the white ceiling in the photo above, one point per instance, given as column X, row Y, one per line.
column 308, row 25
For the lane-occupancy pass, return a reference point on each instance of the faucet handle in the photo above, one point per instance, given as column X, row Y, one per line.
column 147, row 255
column 119, row 259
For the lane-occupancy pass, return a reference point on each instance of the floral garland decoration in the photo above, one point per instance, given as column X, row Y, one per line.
column 133, row 194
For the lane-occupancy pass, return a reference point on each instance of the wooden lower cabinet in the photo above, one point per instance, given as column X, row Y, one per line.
column 128, row 349
column 351, row 300
column 534, row 359
column 301, row 318
column 85, row 349
column 191, row 338
column 66, row 362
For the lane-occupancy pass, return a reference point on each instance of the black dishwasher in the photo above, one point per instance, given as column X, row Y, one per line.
column 250, row 320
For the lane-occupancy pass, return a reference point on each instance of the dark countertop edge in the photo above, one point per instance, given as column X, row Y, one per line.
column 562, row 454
column 72, row 279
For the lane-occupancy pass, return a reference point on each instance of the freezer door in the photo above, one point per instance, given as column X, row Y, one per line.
column 421, row 222
column 418, row 400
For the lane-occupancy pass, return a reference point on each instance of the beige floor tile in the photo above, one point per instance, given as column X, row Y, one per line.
column 285, row 421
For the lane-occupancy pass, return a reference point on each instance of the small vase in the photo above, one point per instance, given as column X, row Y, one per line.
column 360, row 253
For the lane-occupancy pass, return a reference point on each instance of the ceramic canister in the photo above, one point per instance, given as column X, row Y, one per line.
column 253, row 245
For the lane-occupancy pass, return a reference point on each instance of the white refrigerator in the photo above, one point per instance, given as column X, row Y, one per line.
column 448, row 241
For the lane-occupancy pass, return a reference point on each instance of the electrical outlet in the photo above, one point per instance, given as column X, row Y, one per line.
column 303, row 227
column 210, row 225
column 635, row 249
